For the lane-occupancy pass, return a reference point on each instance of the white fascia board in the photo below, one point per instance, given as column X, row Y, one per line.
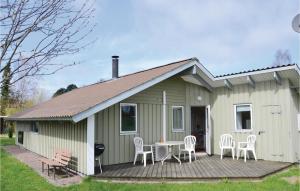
column 135, row 90
column 90, row 145
column 257, row 72
column 203, row 69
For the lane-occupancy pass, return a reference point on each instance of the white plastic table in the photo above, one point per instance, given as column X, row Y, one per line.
column 170, row 145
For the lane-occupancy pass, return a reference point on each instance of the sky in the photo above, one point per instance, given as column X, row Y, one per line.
column 226, row 36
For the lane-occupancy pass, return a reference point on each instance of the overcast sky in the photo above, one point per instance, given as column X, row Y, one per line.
column 226, row 36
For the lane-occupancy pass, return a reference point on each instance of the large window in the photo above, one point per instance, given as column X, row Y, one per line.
column 178, row 118
column 243, row 117
column 128, row 118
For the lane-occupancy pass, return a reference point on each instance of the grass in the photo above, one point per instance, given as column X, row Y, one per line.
column 15, row 175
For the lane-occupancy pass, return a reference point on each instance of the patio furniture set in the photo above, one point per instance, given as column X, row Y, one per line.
column 226, row 143
column 62, row 158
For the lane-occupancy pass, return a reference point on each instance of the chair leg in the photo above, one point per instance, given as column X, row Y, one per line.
column 135, row 156
column 190, row 156
column 179, row 153
column 144, row 156
column 254, row 155
column 238, row 154
column 195, row 155
column 42, row 167
column 152, row 158
column 232, row 152
column 221, row 154
column 184, row 156
column 245, row 155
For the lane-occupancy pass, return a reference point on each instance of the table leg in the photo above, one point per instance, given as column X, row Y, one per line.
column 168, row 155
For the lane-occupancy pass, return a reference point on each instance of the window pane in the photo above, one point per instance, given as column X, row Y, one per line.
column 243, row 117
column 128, row 113
column 177, row 118
column 34, row 127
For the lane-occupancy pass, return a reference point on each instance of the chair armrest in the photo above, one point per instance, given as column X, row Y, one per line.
column 241, row 143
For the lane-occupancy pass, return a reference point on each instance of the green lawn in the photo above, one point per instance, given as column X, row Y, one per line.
column 17, row 176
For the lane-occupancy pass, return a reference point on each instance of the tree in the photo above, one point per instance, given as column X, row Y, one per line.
column 71, row 87
column 61, row 91
column 5, row 90
column 282, row 58
column 34, row 32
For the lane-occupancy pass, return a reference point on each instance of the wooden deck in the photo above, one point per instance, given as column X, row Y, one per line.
column 204, row 168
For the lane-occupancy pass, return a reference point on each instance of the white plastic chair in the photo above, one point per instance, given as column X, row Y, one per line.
column 189, row 147
column 139, row 149
column 247, row 146
column 227, row 143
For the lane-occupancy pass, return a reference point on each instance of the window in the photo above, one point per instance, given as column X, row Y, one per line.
column 128, row 118
column 178, row 118
column 243, row 117
column 34, row 127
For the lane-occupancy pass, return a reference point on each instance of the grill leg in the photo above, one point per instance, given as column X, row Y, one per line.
column 99, row 160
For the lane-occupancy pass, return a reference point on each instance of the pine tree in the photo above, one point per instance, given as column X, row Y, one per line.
column 5, row 89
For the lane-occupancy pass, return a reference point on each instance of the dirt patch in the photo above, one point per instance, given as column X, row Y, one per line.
column 292, row 179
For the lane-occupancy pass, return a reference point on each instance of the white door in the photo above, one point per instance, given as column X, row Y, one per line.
column 208, row 130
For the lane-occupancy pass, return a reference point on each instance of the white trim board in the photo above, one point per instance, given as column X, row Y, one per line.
column 90, row 141
column 124, row 95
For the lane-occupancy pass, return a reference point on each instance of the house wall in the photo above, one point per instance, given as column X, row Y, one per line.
column 271, row 113
column 57, row 135
column 120, row 148
column 295, row 132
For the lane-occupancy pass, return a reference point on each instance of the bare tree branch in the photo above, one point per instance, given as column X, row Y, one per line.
column 34, row 32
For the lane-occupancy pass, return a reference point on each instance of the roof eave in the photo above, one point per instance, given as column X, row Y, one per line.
column 39, row 119
column 295, row 67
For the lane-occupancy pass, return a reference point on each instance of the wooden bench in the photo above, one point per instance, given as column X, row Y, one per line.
column 60, row 160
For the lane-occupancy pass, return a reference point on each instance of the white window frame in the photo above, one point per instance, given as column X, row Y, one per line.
column 251, row 116
column 178, row 130
column 136, row 116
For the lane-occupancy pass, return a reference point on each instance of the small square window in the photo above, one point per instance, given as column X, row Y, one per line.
column 177, row 118
column 243, row 117
column 128, row 118
column 34, row 127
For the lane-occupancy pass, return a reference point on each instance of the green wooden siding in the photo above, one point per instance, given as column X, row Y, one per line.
column 271, row 114
column 120, row 148
column 57, row 135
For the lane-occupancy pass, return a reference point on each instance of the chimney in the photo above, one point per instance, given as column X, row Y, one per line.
column 115, row 66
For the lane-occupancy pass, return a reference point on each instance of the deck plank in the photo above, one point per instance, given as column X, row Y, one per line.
column 203, row 167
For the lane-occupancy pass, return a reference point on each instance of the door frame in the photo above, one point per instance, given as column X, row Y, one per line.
column 208, row 132
column 208, row 129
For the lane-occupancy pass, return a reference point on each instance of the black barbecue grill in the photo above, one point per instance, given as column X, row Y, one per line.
column 98, row 150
